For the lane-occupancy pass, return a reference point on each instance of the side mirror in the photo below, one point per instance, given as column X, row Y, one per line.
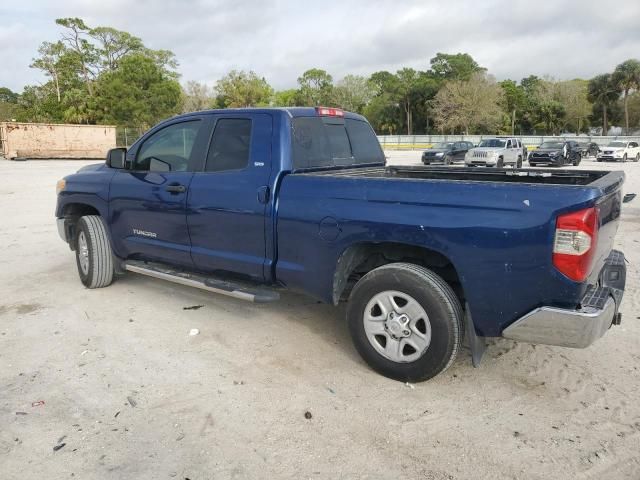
column 116, row 157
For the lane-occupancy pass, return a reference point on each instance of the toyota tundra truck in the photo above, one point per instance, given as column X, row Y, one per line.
column 249, row 202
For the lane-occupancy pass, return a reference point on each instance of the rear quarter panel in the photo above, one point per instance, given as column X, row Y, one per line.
column 498, row 236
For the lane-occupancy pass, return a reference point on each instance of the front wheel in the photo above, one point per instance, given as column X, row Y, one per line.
column 624, row 157
column 519, row 163
column 500, row 163
column 576, row 161
column 405, row 322
column 93, row 252
column 637, row 157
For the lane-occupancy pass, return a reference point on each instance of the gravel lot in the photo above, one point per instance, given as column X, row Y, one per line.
column 113, row 378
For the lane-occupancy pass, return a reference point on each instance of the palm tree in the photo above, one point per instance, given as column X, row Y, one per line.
column 627, row 77
column 602, row 90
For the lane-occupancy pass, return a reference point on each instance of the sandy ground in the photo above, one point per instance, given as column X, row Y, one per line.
column 130, row 394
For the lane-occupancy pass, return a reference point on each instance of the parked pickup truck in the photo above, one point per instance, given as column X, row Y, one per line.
column 249, row 202
column 496, row 152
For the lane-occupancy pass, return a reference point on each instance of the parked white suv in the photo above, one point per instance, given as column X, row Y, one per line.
column 495, row 152
column 620, row 151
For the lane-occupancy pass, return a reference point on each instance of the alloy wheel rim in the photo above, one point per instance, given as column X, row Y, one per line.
column 397, row 326
column 83, row 253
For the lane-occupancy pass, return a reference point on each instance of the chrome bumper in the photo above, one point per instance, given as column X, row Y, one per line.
column 62, row 231
column 581, row 327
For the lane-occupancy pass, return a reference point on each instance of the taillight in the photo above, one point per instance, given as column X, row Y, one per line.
column 574, row 245
column 329, row 112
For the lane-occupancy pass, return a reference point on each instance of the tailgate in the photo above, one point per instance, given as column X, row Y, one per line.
column 609, row 205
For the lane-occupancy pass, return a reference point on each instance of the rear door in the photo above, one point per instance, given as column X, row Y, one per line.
column 227, row 201
column 147, row 201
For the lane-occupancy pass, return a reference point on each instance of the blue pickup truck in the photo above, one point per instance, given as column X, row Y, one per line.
column 248, row 202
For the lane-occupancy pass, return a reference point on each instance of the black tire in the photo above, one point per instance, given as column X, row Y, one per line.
column 500, row 163
column 95, row 265
column 519, row 163
column 624, row 158
column 438, row 301
column 637, row 157
column 576, row 161
column 447, row 160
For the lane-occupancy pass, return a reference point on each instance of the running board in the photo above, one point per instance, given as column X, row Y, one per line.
column 241, row 290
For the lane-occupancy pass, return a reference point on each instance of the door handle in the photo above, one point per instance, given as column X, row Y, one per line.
column 176, row 188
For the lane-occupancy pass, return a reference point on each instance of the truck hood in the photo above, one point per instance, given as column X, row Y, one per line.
column 93, row 167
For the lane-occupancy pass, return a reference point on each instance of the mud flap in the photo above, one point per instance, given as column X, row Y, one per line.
column 477, row 343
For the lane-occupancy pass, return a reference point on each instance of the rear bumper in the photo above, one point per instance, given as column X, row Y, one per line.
column 577, row 328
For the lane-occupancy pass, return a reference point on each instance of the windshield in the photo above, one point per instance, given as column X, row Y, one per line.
column 551, row 145
column 442, row 145
column 617, row 144
column 494, row 142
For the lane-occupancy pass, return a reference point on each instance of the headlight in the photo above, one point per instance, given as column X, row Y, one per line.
column 60, row 186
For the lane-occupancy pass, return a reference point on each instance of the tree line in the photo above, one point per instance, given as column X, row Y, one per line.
column 100, row 75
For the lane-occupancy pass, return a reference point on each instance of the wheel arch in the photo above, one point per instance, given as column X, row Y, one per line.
column 360, row 258
column 72, row 212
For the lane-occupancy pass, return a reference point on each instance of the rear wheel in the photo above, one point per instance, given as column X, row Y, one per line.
column 405, row 322
column 637, row 157
column 93, row 252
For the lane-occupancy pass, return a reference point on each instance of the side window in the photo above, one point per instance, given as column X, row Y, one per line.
column 633, row 145
column 169, row 149
column 230, row 145
column 508, row 143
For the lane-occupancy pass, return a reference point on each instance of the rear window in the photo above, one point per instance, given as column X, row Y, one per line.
column 327, row 142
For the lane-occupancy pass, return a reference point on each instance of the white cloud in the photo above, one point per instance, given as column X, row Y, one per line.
column 280, row 39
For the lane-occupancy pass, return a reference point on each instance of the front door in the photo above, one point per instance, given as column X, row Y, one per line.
column 147, row 207
column 228, row 201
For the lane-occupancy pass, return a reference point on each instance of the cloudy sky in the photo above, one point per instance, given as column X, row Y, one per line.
column 279, row 39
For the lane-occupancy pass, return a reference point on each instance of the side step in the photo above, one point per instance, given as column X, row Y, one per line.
column 241, row 290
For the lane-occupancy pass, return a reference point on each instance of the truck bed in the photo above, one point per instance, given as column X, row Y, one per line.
column 496, row 226
column 530, row 176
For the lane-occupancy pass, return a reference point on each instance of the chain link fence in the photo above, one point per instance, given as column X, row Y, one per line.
column 125, row 136
column 418, row 142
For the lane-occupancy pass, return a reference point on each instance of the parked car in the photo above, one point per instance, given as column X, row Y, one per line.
column 620, row 151
column 495, row 152
column 556, row 153
column 446, row 153
column 248, row 202
column 588, row 149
